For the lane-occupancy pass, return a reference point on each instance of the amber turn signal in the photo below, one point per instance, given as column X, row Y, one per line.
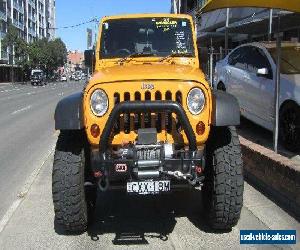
column 95, row 130
column 200, row 128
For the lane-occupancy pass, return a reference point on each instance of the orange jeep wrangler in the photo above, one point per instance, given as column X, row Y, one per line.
column 147, row 122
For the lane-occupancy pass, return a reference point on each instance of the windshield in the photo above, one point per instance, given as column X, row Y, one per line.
column 148, row 36
column 290, row 59
column 37, row 74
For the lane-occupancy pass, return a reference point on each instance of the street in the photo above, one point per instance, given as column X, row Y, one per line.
column 174, row 221
column 27, row 133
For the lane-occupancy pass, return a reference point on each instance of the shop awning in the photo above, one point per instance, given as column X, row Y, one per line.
column 259, row 24
column 290, row 5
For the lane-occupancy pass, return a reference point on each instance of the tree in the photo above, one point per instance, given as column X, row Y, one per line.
column 17, row 47
column 47, row 55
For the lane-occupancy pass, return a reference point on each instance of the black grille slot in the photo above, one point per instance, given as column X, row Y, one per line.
column 137, row 117
column 147, row 116
column 179, row 97
column 117, row 126
column 179, row 100
column 169, row 115
column 127, row 115
column 159, row 115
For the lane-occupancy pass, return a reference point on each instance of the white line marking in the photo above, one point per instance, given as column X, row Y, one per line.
column 24, row 191
column 5, row 219
column 20, row 110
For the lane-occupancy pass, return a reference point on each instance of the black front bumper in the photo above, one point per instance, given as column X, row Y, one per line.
column 162, row 168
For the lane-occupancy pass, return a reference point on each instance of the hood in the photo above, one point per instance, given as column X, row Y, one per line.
column 147, row 72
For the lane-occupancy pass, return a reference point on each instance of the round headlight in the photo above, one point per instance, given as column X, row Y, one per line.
column 195, row 101
column 99, row 102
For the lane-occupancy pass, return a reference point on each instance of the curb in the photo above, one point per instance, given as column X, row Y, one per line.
column 8, row 83
column 275, row 174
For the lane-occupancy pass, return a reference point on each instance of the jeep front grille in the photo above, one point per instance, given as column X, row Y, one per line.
column 161, row 121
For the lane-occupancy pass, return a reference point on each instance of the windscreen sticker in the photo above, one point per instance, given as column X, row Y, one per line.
column 183, row 24
column 105, row 26
column 166, row 24
column 180, row 40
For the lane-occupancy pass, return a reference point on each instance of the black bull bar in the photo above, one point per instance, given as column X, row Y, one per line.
column 143, row 107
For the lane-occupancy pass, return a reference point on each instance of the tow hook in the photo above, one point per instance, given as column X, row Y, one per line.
column 192, row 180
column 179, row 175
column 103, row 184
column 199, row 180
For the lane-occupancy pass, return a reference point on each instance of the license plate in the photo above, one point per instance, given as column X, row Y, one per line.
column 148, row 187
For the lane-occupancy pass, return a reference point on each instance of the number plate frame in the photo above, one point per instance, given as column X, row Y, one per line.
column 148, row 187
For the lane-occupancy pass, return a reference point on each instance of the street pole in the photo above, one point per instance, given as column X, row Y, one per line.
column 11, row 52
column 270, row 25
column 175, row 6
column 277, row 88
column 211, row 63
column 226, row 31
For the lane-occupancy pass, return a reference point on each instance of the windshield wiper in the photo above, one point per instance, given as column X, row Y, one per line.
column 177, row 54
column 124, row 59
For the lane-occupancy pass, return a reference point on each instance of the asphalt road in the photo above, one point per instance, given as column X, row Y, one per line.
column 27, row 133
column 173, row 221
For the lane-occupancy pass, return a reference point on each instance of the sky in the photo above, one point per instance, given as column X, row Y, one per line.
column 73, row 12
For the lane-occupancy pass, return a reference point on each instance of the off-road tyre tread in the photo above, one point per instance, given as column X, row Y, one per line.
column 224, row 184
column 69, row 200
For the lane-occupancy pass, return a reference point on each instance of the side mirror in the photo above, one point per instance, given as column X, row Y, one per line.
column 89, row 59
column 262, row 72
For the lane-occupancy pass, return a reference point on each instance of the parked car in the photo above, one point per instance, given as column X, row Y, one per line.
column 37, row 77
column 179, row 137
column 63, row 78
column 248, row 73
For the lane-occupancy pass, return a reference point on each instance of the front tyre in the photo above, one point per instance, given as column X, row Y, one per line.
column 224, row 185
column 68, row 179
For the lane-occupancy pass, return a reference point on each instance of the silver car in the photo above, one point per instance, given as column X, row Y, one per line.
column 248, row 73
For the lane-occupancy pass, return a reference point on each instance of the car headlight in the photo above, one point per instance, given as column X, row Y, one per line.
column 99, row 102
column 195, row 101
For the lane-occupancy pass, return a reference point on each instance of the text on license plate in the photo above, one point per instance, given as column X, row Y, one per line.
column 148, row 187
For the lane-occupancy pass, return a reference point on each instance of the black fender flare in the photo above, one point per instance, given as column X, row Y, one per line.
column 68, row 113
column 226, row 109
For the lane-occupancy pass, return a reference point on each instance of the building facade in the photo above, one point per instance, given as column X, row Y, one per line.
column 34, row 19
column 243, row 24
column 75, row 61
column 225, row 29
